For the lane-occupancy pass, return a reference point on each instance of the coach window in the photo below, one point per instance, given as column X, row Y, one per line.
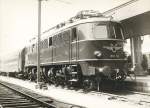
column 50, row 41
column 74, row 34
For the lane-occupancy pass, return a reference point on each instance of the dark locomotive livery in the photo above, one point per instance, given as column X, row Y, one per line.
column 81, row 51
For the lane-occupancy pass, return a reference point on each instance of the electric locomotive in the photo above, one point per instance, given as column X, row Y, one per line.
column 80, row 51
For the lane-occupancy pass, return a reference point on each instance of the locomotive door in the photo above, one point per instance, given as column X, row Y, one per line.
column 74, row 45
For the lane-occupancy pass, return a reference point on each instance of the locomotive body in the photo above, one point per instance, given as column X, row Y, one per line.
column 85, row 48
column 81, row 51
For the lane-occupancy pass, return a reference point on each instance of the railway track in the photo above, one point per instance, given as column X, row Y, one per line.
column 132, row 97
column 20, row 97
column 12, row 98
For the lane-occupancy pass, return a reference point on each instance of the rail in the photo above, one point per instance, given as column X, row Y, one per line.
column 45, row 104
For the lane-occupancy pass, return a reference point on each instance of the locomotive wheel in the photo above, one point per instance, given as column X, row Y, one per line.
column 119, row 76
column 132, row 76
column 122, row 76
column 88, row 84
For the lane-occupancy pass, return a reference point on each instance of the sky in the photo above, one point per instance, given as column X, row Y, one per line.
column 18, row 18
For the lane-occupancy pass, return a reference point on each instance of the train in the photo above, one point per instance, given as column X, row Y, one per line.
column 81, row 51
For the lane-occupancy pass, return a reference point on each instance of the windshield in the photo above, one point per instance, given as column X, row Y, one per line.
column 110, row 30
column 100, row 31
column 116, row 31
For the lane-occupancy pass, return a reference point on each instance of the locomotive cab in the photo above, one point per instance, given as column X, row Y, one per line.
column 100, row 46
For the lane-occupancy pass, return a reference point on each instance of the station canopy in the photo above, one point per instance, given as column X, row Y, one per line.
column 134, row 15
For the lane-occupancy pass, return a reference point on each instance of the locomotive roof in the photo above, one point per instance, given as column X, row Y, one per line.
column 85, row 16
column 52, row 32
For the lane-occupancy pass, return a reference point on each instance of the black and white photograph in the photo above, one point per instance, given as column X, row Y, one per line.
column 74, row 53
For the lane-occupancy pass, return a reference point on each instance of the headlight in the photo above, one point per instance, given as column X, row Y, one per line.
column 98, row 54
column 101, row 69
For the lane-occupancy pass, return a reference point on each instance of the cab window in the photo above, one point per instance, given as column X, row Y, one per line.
column 100, row 31
column 116, row 31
